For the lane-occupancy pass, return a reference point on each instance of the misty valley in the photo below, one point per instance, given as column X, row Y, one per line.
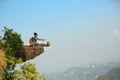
column 109, row 71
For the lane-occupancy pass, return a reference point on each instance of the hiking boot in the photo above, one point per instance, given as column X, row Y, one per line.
column 48, row 44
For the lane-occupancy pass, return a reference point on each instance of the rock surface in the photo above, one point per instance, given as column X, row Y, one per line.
column 27, row 52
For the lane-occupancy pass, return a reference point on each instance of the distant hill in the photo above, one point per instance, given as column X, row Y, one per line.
column 113, row 74
column 84, row 73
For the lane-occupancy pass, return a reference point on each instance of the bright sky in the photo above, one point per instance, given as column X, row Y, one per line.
column 82, row 32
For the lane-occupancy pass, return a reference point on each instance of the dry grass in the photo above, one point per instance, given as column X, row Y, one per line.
column 3, row 63
column 3, row 59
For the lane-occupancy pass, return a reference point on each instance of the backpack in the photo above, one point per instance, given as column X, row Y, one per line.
column 31, row 42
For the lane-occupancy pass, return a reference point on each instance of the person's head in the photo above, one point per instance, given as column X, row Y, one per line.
column 35, row 34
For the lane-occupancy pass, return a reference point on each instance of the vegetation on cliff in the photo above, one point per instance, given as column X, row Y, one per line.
column 10, row 42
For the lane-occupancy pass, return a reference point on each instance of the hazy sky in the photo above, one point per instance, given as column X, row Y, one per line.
column 82, row 32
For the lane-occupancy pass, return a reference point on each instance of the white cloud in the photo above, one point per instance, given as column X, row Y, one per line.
column 110, row 41
column 115, row 37
column 116, row 33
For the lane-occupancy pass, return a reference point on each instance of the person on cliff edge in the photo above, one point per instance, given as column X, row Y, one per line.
column 33, row 41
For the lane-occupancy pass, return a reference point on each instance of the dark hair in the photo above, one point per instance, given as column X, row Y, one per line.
column 35, row 33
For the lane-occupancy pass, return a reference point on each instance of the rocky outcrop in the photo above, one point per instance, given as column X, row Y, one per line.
column 27, row 52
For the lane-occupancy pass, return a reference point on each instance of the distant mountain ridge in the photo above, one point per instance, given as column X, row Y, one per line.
column 84, row 73
column 113, row 74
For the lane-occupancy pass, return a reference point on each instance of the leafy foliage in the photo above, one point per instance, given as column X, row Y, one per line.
column 28, row 72
column 10, row 42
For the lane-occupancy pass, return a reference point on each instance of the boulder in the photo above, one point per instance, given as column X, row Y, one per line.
column 27, row 52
